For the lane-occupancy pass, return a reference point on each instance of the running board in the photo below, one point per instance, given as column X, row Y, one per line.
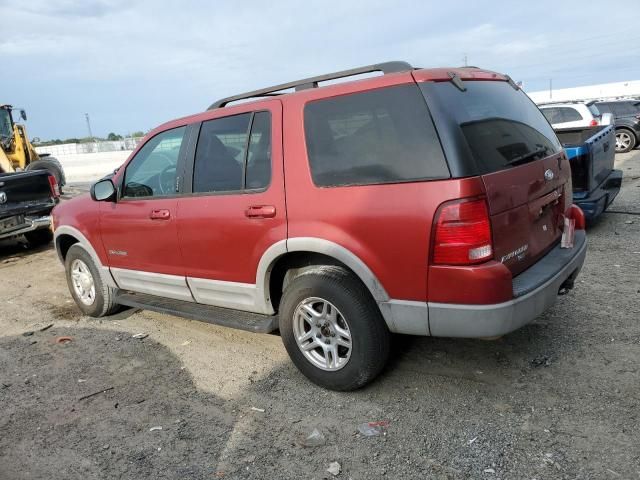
column 226, row 317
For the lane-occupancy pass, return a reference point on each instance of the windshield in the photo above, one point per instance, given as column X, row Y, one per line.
column 5, row 124
column 501, row 126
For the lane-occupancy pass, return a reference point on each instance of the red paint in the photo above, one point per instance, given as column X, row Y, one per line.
column 389, row 227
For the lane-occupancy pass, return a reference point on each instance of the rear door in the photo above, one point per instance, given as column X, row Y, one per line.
column 234, row 208
column 504, row 138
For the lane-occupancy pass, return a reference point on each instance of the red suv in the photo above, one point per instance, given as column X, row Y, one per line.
column 420, row 201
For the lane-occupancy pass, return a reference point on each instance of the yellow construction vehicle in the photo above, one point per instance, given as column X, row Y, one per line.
column 16, row 151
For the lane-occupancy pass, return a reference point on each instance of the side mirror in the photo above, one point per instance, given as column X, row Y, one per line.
column 23, row 115
column 103, row 191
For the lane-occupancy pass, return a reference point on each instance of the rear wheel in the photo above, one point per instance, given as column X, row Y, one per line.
column 39, row 237
column 91, row 295
column 625, row 140
column 332, row 328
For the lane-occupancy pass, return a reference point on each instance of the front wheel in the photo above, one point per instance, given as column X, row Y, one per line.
column 333, row 329
column 625, row 140
column 91, row 295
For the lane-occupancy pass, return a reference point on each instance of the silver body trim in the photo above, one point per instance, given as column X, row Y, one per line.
column 239, row 296
column 406, row 316
column 159, row 284
column 31, row 224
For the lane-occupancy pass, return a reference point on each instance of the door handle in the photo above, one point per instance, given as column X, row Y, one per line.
column 260, row 211
column 160, row 214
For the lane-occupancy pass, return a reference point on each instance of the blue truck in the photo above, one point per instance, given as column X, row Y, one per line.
column 591, row 154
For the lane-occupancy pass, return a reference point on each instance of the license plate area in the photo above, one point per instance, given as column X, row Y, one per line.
column 11, row 223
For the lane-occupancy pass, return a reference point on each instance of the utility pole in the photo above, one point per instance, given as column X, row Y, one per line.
column 550, row 89
column 86, row 116
column 465, row 59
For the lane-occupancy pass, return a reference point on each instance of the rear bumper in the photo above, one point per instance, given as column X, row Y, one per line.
column 595, row 202
column 30, row 224
column 535, row 290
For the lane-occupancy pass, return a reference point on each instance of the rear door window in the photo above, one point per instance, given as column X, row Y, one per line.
column 233, row 154
column 380, row 136
column 499, row 124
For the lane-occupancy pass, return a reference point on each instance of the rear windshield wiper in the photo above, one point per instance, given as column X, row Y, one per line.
column 527, row 156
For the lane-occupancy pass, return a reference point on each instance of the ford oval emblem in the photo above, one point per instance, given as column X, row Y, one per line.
column 3, row 197
column 548, row 175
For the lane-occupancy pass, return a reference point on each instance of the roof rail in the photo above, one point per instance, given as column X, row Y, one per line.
column 312, row 82
column 554, row 102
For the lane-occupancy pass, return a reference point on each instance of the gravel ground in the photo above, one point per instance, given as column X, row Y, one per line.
column 559, row 398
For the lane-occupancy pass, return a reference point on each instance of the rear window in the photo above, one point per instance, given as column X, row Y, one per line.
column 379, row 136
column 500, row 125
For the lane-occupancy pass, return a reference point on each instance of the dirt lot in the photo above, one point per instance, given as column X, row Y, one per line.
column 559, row 398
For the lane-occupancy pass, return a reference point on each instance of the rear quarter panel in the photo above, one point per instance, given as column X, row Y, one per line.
column 387, row 226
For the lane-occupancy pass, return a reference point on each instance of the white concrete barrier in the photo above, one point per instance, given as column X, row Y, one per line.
column 89, row 167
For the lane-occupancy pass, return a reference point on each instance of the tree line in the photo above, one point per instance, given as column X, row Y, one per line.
column 111, row 137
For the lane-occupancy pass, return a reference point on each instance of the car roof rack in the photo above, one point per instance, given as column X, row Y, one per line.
column 312, row 82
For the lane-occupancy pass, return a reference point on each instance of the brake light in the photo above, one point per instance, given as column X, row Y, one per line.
column 593, row 123
column 53, row 184
column 576, row 213
column 462, row 233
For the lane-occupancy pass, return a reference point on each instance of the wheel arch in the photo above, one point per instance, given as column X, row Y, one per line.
column 66, row 236
column 297, row 253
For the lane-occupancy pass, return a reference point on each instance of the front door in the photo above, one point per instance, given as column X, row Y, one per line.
column 233, row 209
column 139, row 231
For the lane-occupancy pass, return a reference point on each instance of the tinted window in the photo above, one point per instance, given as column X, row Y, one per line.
column 570, row 114
column 593, row 109
column 552, row 114
column 606, row 108
column 152, row 172
column 501, row 125
column 259, row 158
column 220, row 154
column 381, row 136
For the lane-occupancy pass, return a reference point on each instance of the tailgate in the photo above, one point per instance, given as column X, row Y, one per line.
column 591, row 153
column 491, row 129
column 526, row 205
column 24, row 191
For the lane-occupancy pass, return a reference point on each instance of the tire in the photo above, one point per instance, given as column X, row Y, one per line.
column 52, row 165
column 625, row 140
column 103, row 300
column 351, row 305
column 37, row 238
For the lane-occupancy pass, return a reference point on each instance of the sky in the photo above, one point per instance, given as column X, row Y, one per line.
column 134, row 64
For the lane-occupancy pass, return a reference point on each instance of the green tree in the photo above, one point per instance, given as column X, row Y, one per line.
column 112, row 137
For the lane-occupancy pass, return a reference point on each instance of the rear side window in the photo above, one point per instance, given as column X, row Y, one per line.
column 380, row 136
column 593, row 109
column 500, row 125
column 233, row 154
column 569, row 114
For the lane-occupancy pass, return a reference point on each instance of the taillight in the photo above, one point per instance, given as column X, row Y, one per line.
column 53, row 184
column 593, row 123
column 462, row 233
column 577, row 214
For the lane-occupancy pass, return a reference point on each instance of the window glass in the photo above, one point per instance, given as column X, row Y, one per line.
column 606, row 108
column 6, row 131
column 571, row 114
column 380, row 136
column 500, row 124
column 153, row 171
column 593, row 109
column 220, row 154
column 552, row 115
column 259, row 159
